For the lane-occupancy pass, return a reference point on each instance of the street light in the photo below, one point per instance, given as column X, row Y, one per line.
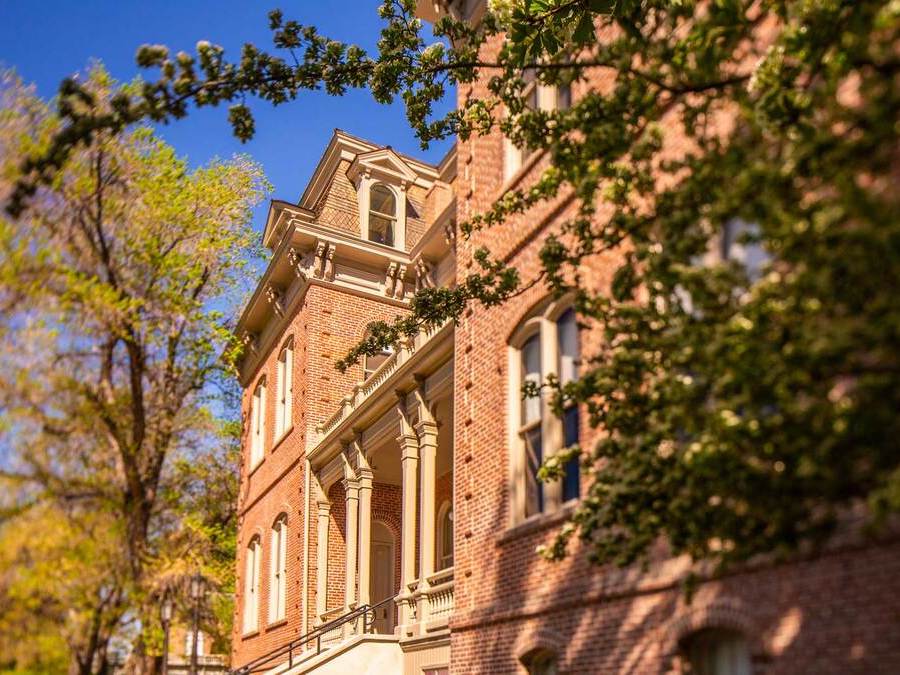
column 165, row 615
column 197, row 591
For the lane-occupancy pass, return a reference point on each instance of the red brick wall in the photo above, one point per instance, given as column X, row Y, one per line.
column 838, row 614
column 322, row 333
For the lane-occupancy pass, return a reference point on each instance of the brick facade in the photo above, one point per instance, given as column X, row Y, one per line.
column 837, row 613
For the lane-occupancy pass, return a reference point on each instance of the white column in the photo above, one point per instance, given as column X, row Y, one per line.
column 365, row 526
column 351, row 492
column 409, row 463
column 324, row 515
column 427, row 431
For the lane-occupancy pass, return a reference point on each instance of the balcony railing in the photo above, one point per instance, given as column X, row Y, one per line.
column 439, row 596
column 364, row 390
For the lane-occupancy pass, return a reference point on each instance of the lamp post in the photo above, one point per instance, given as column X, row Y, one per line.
column 165, row 615
column 197, row 590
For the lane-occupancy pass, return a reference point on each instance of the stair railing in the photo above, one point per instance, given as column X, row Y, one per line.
column 294, row 648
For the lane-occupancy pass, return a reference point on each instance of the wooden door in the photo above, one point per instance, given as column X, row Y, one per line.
column 382, row 581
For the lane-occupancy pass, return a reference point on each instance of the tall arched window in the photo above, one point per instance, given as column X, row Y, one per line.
column 278, row 570
column 382, row 214
column 545, row 344
column 715, row 651
column 258, row 423
column 445, row 536
column 284, row 383
column 251, row 586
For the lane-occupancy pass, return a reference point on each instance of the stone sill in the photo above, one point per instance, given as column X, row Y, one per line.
column 513, row 181
column 537, row 523
column 276, row 624
column 282, row 438
column 255, row 467
column 251, row 634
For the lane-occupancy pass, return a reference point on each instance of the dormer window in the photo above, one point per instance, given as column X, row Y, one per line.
column 382, row 214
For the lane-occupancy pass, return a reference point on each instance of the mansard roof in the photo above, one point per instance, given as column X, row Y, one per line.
column 364, row 154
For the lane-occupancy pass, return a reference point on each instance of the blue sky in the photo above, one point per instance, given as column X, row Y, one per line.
column 46, row 41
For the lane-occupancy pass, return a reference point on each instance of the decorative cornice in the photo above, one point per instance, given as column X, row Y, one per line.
column 275, row 297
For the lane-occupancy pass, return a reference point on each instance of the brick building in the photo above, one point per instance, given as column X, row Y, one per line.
column 389, row 515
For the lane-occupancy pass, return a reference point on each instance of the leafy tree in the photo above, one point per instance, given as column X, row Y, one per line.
column 117, row 287
column 741, row 410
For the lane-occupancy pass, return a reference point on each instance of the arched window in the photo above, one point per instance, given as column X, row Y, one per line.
column 257, row 423
column 284, row 383
column 545, row 344
column 382, row 214
column 251, row 586
column 715, row 651
column 373, row 362
column 541, row 662
column 278, row 573
column 445, row 536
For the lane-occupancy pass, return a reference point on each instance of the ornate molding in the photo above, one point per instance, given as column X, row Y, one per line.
column 390, row 279
column 301, row 262
column 450, row 235
column 424, row 275
column 250, row 342
column 275, row 296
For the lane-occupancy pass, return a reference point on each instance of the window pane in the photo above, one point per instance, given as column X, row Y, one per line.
column 531, row 372
column 567, row 338
column 563, row 96
column 571, row 481
column 718, row 652
column 372, row 363
column 381, row 230
column 447, row 540
column 751, row 254
column 534, row 456
column 382, row 200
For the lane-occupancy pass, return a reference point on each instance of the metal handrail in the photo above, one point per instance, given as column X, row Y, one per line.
column 294, row 646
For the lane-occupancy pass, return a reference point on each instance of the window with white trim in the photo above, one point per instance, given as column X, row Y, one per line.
column 382, row 214
column 717, row 651
column 278, row 570
column 258, row 424
column 250, row 622
column 285, row 383
column 545, row 344
column 537, row 96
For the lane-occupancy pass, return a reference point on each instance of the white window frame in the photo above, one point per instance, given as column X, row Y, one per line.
column 258, row 424
column 542, row 323
column 545, row 97
column 366, row 184
column 250, row 623
column 285, row 393
column 278, row 570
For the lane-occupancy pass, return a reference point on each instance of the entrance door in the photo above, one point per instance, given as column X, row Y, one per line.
column 382, row 581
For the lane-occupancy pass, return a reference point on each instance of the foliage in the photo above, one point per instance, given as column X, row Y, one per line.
column 740, row 410
column 117, row 285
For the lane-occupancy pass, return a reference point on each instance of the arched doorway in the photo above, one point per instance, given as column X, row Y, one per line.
column 382, row 576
